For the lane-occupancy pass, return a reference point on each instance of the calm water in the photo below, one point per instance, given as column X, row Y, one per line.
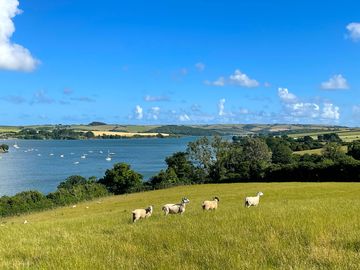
column 41, row 165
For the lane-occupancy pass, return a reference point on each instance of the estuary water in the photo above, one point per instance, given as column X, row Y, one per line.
column 42, row 165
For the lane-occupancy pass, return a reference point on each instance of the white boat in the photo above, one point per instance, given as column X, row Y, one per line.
column 61, row 156
column 100, row 152
column 83, row 156
column 108, row 158
column 39, row 155
column 76, row 162
column 51, row 154
column 16, row 146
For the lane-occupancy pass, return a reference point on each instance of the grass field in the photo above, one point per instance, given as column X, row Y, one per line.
column 296, row 226
column 318, row 151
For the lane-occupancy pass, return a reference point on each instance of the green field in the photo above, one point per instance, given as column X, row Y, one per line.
column 296, row 226
column 318, row 151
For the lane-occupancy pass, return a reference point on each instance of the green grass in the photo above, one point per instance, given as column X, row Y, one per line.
column 318, row 151
column 296, row 226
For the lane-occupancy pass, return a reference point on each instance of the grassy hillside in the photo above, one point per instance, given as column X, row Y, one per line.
column 296, row 226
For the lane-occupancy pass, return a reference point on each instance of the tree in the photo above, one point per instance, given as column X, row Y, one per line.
column 165, row 179
column 181, row 166
column 282, row 154
column 89, row 135
column 257, row 154
column 72, row 181
column 121, row 179
column 4, row 148
column 354, row 149
column 332, row 151
column 201, row 154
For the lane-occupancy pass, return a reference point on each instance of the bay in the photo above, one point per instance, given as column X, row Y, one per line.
column 42, row 165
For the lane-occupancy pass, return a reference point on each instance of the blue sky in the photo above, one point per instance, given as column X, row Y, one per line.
column 179, row 62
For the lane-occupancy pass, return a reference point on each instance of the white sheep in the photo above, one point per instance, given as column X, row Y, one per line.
column 178, row 208
column 211, row 205
column 141, row 213
column 253, row 201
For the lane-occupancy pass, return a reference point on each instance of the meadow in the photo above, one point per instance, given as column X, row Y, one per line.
column 296, row 226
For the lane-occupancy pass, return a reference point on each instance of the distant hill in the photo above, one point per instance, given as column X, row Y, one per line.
column 184, row 130
column 97, row 124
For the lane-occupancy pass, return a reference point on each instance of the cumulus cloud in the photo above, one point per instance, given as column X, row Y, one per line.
column 286, row 96
column 221, row 107
column 139, row 112
column 335, row 82
column 237, row 78
column 200, row 66
column 241, row 79
column 304, row 109
column 154, row 113
column 218, row 82
column 330, row 111
column 296, row 108
column 149, row 98
column 184, row 117
column 12, row 56
column 353, row 31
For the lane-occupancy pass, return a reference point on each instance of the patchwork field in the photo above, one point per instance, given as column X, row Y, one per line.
column 296, row 226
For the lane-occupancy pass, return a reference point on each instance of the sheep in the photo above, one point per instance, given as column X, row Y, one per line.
column 253, row 201
column 179, row 208
column 142, row 213
column 211, row 205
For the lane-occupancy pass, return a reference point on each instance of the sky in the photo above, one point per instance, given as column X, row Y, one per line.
column 179, row 62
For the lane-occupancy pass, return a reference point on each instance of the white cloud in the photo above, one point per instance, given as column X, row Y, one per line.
column 154, row 113
column 221, row 107
column 244, row 111
column 286, row 96
column 184, row 117
column 200, row 66
column 12, row 56
column 218, row 82
column 139, row 112
column 335, row 82
column 239, row 78
column 304, row 109
column 354, row 31
column 330, row 112
column 296, row 108
column 149, row 98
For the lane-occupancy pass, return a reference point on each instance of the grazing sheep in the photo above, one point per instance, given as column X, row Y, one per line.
column 253, row 201
column 141, row 213
column 178, row 208
column 211, row 205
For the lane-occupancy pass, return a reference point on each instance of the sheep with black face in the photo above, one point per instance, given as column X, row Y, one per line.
column 211, row 205
column 141, row 213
